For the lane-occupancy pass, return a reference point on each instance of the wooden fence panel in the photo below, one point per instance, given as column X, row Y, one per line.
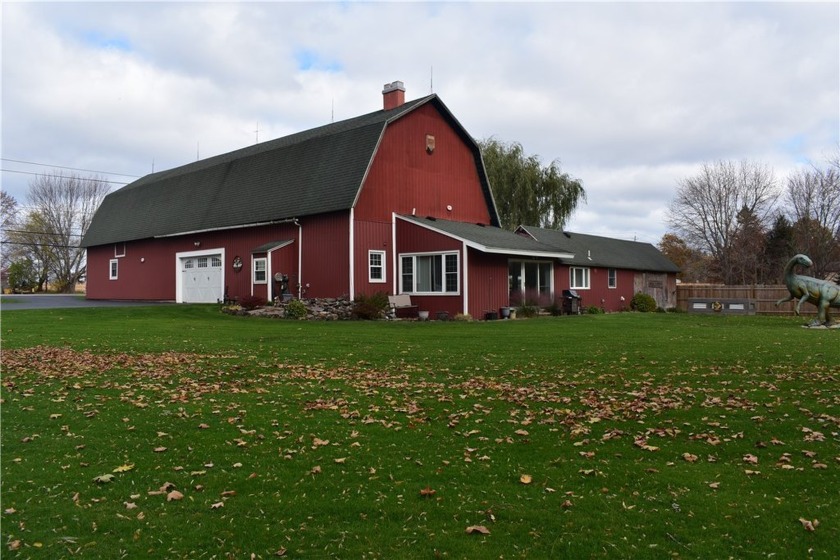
column 765, row 296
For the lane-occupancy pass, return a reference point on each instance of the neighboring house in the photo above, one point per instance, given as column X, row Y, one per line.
column 396, row 201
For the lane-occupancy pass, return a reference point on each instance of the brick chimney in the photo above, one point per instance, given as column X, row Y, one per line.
column 393, row 95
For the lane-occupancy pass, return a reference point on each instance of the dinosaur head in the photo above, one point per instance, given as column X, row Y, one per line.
column 803, row 260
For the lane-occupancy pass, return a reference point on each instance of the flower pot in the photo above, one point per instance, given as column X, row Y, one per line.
column 442, row 316
column 504, row 312
column 423, row 315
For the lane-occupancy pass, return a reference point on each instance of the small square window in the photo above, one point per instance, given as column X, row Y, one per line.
column 376, row 267
column 114, row 267
column 260, row 271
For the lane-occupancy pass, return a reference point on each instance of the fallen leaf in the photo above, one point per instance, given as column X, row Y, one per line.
column 123, row 468
column 809, row 525
column 203, row 426
column 479, row 529
column 714, row 485
column 689, row 457
column 160, row 449
column 228, row 493
column 521, row 432
column 217, row 505
column 525, row 479
column 104, row 478
column 130, row 505
column 751, row 459
column 341, row 460
column 174, row 495
column 425, row 492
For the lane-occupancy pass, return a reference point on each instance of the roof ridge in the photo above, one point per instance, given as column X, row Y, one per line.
column 368, row 119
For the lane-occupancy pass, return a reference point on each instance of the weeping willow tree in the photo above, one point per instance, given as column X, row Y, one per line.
column 525, row 191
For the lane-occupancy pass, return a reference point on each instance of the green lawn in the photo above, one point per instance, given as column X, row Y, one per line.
column 180, row 432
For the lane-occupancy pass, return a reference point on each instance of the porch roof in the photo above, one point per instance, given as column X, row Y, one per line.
column 489, row 239
column 271, row 245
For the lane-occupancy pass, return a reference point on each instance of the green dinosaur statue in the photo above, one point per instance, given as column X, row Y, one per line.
column 822, row 293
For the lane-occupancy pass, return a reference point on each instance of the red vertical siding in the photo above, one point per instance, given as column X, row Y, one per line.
column 372, row 236
column 326, row 255
column 488, row 282
column 599, row 293
column 405, row 178
column 148, row 269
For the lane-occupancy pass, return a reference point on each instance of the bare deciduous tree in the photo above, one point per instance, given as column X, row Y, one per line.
column 63, row 207
column 705, row 210
column 813, row 204
column 8, row 215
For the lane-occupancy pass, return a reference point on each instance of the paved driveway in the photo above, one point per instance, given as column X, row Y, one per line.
column 58, row 301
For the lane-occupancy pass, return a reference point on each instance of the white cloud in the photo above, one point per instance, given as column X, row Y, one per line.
column 630, row 97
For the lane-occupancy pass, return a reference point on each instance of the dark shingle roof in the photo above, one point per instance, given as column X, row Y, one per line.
column 592, row 250
column 312, row 172
column 490, row 239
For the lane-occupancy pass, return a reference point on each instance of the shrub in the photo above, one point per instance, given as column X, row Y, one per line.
column 296, row 309
column 556, row 308
column 527, row 310
column 251, row 302
column 594, row 310
column 643, row 303
column 371, row 307
column 463, row 317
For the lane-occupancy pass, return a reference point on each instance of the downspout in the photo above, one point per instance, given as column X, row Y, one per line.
column 465, row 278
column 395, row 271
column 352, row 258
column 300, row 256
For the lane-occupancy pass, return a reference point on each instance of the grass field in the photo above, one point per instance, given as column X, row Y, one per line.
column 180, row 432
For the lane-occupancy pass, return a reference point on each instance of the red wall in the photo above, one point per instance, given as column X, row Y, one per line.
column 599, row 294
column 488, row 282
column 404, row 177
column 154, row 278
column 326, row 255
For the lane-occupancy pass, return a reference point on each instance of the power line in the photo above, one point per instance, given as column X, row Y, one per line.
column 52, row 245
column 64, row 167
column 63, row 177
column 42, row 232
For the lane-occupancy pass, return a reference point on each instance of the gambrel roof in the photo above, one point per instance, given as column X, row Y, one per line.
column 592, row 250
column 312, row 172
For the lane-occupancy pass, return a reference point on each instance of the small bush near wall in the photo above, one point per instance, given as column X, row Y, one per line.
column 251, row 302
column 296, row 309
column 371, row 307
column 643, row 303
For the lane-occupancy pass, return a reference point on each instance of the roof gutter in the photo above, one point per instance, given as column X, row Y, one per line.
column 241, row 226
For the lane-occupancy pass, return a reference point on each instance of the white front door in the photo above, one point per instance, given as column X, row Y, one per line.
column 201, row 279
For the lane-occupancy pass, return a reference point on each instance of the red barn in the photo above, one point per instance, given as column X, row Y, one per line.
column 396, row 200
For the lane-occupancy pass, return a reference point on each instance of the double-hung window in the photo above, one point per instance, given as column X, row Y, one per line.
column 260, row 271
column 376, row 267
column 579, row 278
column 114, row 267
column 611, row 278
column 430, row 274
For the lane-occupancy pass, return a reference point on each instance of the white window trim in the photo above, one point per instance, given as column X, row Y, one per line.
column 614, row 277
column 113, row 269
column 572, row 278
column 414, row 269
column 117, row 252
column 371, row 279
column 254, row 270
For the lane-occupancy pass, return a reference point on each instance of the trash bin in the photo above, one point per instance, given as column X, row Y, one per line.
column 571, row 302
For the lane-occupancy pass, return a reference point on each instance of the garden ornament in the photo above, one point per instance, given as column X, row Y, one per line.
column 822, row 293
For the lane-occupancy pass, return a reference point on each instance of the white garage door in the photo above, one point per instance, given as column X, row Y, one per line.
column 201, row 280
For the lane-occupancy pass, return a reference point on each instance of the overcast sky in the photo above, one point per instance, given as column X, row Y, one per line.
column 629, row 97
